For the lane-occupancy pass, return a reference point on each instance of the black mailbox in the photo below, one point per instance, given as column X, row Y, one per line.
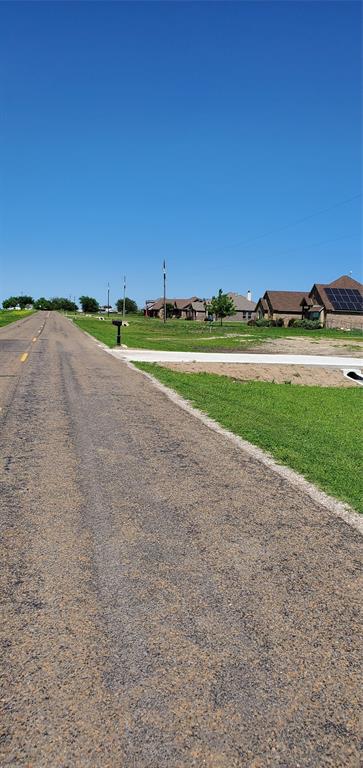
column 118, row 323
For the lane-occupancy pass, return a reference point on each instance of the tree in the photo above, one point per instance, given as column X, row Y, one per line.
column 23, row 301
column 222, row 305
column 169, row 310
column 43, row 303
column 89, row 304
column 130, row 305
column 11, row 302
column 61, row 303
column 18, row 301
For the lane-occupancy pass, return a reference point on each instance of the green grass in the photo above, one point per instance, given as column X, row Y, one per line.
column 10, row 316
column 183, row 335
column 315, row 430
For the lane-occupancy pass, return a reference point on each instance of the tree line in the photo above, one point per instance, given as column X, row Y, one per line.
column 58, row 303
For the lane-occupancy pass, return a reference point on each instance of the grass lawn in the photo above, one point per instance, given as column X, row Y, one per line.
column 183, row 335
column 10, row 316
column 316, row 431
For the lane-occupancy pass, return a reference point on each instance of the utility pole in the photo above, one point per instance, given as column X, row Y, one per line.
column 108, row 299
column 164, row 275
column 124, row 300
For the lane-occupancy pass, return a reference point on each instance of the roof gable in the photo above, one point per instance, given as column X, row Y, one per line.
column 284, row 301
column 346, row 282
column 241, row 302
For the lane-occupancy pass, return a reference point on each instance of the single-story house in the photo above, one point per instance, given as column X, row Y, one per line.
column 280, row 304
column 336, row 305
column 244, row 305
column 193, row 308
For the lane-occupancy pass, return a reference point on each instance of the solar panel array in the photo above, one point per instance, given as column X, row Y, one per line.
column 345, row 299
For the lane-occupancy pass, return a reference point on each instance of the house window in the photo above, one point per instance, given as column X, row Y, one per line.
column 244, row 315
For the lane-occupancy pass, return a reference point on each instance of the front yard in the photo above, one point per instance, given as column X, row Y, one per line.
column 184, row 336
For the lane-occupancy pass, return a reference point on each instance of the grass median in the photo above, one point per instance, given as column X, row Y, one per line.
column 314, row 430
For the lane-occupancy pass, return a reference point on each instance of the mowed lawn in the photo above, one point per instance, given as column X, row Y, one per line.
column 10, row 316
column 316, row 431
column 183, row 335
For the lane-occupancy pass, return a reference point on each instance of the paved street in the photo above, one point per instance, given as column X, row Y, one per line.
column 169, row 601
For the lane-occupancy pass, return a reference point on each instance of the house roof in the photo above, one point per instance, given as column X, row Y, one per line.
column 183, row 303
column 199, row 306
column 263, row 303
column 342, row 282
column 177, row 303
column 241, row 302
column 159, row 303
column 284, row 301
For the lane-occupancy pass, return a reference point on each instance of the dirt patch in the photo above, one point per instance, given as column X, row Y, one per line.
column 281, row 374
column 292, row 345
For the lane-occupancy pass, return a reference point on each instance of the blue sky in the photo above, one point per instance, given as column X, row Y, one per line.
column 198, row 132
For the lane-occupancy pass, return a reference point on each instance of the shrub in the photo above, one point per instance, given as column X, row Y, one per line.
column 262, row 323
column 309, row 325
column 252, row 322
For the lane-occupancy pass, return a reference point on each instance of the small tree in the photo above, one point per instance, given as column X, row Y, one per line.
column 222, row 305
column 89, row 304
column 130, row 305
column 169, row 310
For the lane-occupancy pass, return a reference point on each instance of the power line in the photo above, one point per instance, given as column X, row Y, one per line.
column 315, row 245
column 286, row 226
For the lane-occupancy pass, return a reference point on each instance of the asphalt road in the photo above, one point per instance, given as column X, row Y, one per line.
column 169, row 601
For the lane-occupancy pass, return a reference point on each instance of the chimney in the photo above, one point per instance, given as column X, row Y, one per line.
column 249, row 295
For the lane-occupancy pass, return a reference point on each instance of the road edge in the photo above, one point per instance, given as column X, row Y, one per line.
column 338, row 508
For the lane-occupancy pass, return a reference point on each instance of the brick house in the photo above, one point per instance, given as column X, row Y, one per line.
column 244, row 306
column 184, row 309
column 336, row 305
column 280, row 304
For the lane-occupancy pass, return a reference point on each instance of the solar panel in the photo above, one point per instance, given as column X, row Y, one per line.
column 345, row 299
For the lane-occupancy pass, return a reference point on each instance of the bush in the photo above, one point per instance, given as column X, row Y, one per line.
column 251, row 322
column 309, row 325
column 280, row 323
column 262, row 323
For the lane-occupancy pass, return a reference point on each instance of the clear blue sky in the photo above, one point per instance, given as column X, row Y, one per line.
column 192, row 131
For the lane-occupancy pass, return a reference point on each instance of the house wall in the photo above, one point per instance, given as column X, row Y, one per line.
column 238, row 317
column 286, row 316
column 334, row 320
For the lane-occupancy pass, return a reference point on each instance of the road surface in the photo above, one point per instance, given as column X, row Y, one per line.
column 169, row 601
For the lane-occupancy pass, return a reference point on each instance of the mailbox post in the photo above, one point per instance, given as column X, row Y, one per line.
column 118, row 323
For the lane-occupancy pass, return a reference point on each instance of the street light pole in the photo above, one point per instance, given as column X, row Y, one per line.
column 164, row 276
column 108, row 299
column 124, row 299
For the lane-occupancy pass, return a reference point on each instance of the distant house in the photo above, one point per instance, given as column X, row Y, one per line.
column 280, row 304
column 336, row 305
column 193, row 308
column 244, row 305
